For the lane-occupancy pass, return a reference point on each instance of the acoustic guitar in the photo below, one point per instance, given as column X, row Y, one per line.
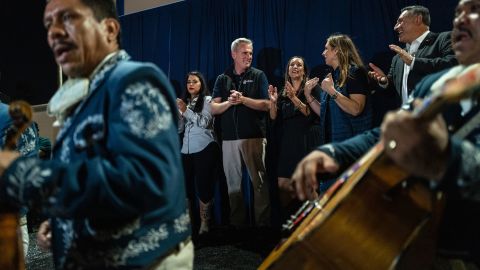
column 375, row 216
column 11, row 248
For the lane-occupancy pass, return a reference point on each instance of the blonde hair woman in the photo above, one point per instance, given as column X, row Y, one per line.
column 345, row 108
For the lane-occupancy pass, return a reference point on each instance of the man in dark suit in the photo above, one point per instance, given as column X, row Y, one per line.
column 425, row 53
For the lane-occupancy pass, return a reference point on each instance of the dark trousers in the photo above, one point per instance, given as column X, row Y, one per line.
column 199, row 169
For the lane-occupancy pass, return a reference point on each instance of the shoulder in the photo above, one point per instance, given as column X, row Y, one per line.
column 422, row 89
column 445, row 35
column 440, row 37
column 255, row 71
column 227, row 74
column 131, row 72
column 129, row 69
column 356, row 72
column 224, row 77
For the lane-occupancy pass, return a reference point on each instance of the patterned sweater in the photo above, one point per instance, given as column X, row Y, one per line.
column 113, row 189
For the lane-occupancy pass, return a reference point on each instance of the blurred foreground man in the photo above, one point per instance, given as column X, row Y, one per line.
column 112, row 189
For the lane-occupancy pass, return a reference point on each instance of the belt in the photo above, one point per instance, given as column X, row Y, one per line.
column 176, row 249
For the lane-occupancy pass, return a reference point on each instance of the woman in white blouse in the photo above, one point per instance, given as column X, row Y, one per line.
column 200, row 151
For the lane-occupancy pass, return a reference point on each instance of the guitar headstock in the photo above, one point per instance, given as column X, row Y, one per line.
column 21, row 114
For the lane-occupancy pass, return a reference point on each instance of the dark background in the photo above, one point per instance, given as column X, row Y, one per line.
column 196, row 35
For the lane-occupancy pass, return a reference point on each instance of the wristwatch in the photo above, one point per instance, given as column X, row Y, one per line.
column 335, row 95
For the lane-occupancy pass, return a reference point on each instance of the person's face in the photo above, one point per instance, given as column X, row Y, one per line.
column 407, row 27
column 193, row 85
column 78, row 41
column 296, row 69
column 466, row 32
column 242, row 56
column 330, row 55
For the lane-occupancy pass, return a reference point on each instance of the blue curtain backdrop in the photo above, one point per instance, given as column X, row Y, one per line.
column 196, row 34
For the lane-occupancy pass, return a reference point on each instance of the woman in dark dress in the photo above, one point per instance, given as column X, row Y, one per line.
column 296, row 112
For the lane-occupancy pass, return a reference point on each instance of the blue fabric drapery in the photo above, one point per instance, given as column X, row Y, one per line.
column 196, row 34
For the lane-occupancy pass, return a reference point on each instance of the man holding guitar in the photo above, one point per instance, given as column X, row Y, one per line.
column 425, row 148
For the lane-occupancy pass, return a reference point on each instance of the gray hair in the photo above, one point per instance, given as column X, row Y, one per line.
column 419, row 11
column 239, row 41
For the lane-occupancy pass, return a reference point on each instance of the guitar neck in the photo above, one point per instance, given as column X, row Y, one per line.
column 462, row 86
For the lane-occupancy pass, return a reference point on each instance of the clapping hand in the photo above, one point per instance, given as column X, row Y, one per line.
column 327, row 83
column 377, row 74
column 309, row 86
column 235, row 97
column 290, row 90
column 182, row 107
column 404, row 55
column 272, row 94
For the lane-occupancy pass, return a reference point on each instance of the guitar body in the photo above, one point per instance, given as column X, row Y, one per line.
column 11, row 249
column 372, row 222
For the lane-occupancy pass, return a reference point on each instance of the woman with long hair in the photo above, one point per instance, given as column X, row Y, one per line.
column 345, row 105
column 200, row 151
column 295, row 110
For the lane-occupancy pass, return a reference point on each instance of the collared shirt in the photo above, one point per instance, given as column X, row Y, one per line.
column 412, row 50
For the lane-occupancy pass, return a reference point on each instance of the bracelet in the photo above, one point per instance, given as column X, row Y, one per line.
column 311, row 100
column 335, row 95
column 299, row 105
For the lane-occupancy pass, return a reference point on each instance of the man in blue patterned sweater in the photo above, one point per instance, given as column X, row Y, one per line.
column 112, row 190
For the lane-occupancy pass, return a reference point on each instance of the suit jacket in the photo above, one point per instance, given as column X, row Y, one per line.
column 434, row 54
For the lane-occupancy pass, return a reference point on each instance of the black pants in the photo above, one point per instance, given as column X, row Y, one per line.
column 200, row 172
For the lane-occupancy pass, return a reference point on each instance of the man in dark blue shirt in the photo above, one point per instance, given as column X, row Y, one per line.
column 240, row 98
